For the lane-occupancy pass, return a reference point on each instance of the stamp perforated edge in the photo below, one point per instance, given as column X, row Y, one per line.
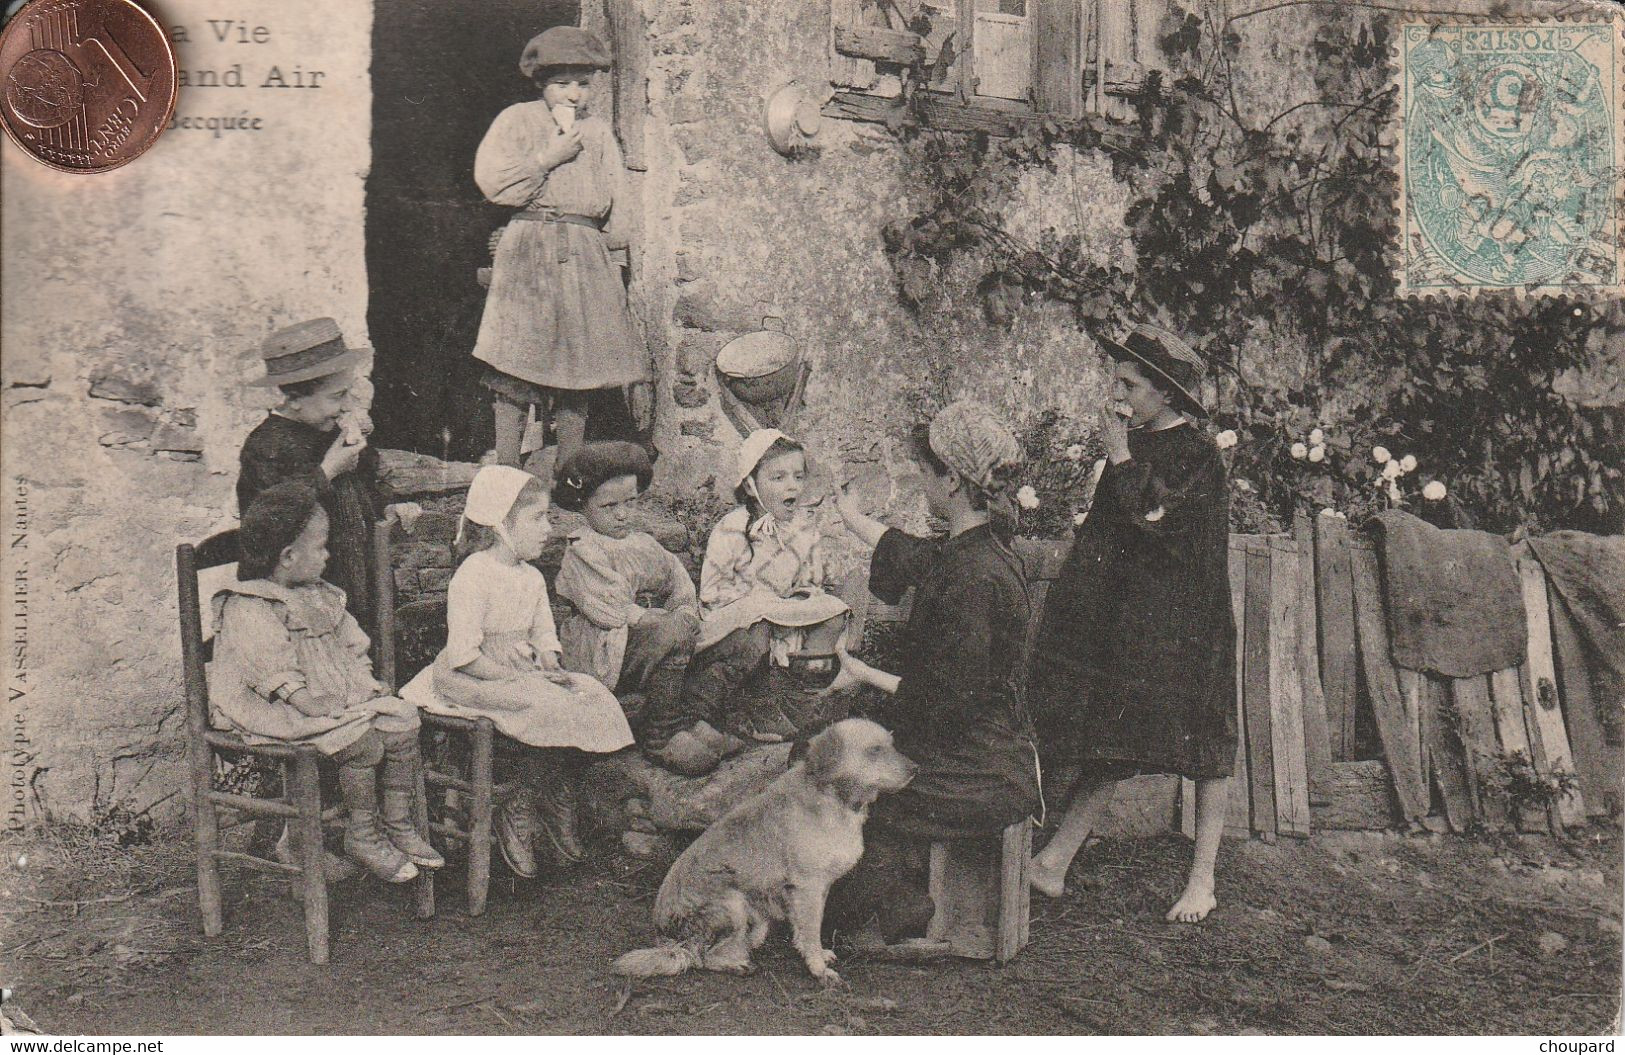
column 1596, row 12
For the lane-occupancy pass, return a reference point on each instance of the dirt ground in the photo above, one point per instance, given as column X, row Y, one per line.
column 1345, row 935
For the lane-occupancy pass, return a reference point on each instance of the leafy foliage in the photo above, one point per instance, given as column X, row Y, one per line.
column 1268, row 243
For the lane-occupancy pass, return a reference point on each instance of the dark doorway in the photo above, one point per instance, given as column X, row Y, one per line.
column 440, row 73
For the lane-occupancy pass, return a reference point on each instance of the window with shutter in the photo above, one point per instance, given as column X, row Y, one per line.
column 1008, row 58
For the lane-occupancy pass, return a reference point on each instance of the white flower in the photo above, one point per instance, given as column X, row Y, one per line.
column 1317, row 452
column 1300, row 451
column 1027, row 498
column 1380, row 454
column 1074, row 453
column 1391, row 470
column 1408, row 463
column 1244, row 485
column 1225, row 439
column 1079, row 518
column 1434, row 491
column 1394, row 494
column 1156, row 514
column 1316, row 436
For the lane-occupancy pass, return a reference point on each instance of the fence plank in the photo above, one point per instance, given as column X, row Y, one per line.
column 1445, row 754
column 1393, row 727
column 1410, row 697
column 1334, row 601
column 1238, row 818
column 1359, row 797
column 1471, row 697
column 1256, row 690
column 1598, row 765
column 1540, row 697
column 1316, row 741
column 1286, row 693
column 1512, row 731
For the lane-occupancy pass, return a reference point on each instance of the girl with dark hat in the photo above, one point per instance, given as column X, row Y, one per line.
column 635, row 610
column 556, row 325
column 1134, row 669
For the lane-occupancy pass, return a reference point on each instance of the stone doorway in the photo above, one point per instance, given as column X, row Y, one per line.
column 440, row 73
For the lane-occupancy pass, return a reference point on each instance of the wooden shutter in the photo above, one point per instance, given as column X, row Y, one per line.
column 847, row 71
column 1003, row 61
column 1058, row 69
column 1115, row 66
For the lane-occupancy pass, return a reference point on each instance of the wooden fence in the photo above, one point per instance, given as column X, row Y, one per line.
column 1332, row 735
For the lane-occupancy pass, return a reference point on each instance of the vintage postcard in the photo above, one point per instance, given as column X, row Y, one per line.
column 812, row 517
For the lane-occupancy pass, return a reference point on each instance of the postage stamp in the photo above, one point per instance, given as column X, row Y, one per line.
column 1510, row 157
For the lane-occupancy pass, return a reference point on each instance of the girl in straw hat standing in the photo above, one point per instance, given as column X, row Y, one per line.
column 1134, row 669
column 957, row 707
column 556, row 325
column 502, row 660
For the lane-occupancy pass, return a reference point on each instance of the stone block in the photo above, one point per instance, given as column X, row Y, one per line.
column 688, row 267
column 124, row 427
column 406, row 583
column 434, row 579
column 696, row 141
column 690, row 394
column 696, row 351
column 435, row 528
column 679, row 803
column 403, row 475
column 699, row 428
column 176, row 438
column 108, row 385
column 415, row 556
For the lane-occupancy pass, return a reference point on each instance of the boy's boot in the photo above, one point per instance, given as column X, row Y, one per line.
column 556, row 807
column 363, row 842
column 400, row 780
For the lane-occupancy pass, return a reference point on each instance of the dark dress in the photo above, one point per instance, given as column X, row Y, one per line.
column 281, row 449
column 959, row 710
column 1134, row 667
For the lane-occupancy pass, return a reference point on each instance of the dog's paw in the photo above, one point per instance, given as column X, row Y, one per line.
column 828, row 978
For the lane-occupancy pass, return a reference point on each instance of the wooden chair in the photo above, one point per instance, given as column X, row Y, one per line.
column 300, row 804
column 478, row 788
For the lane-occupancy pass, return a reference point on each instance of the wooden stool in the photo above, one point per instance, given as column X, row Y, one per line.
column 981, row 893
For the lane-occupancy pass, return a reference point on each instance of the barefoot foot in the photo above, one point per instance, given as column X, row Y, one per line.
column 1193, row 905
column 1051, row 882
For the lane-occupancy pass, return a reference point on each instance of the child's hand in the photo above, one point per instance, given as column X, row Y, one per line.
column 524, row 656
column 1114, row 432
column 342, row 457
column 551, row 670
column 847, row 505
column 561, row 148
column 407, row 513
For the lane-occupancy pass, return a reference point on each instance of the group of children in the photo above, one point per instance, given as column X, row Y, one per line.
column 1133, row 672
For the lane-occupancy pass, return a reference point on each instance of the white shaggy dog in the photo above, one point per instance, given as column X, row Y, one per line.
column 773, row 857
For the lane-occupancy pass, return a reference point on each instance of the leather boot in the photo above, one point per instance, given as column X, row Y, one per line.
column 515, row 824
column 400, row 778
column 363, row 842
column 556, row 811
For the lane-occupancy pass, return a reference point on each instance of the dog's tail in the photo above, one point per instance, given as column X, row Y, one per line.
column 660, row 960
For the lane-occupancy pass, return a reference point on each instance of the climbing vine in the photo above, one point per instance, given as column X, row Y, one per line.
column 1267, row 242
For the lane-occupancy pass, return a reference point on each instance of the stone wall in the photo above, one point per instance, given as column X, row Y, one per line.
column 135, row 302
column 735, row 234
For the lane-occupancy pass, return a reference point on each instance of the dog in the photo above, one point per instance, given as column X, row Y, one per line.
column 773, row 858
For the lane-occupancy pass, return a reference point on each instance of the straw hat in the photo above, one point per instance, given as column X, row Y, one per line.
column 1174, row 365
column 304, row 352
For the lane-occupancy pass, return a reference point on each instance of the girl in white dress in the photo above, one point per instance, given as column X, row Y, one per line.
column 501, row 661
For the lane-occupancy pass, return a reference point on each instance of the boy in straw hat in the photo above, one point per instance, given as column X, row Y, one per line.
column 1134, row 669
column 306, row 439
column 957, row 708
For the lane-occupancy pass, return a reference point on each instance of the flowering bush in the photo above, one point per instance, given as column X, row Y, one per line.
column 1060, row 468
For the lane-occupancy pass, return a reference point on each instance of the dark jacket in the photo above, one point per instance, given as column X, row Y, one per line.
column 1135, row 660
column 281, row 449
column 959, row 710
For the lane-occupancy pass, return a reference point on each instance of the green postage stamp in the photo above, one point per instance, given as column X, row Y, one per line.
column 1510, row 157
